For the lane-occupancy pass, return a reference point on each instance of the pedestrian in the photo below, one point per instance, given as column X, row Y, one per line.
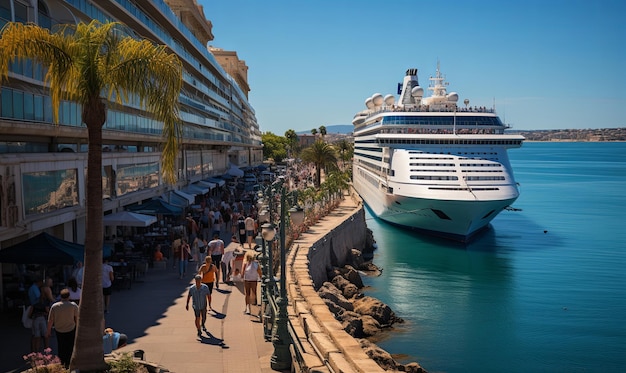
column 39, row 315
column 112, row 340
column 251, row 275
column 75, row 291
column 200, row 294
column 34, row 291
column 107, row 283
column 226, row 265
column 250, row 227
column 63, row 316
column 241, row 226
column 208, row 271
column 216, row 246
column 203, row 246
column 46, row 292
column 183, row 258
column 77, row 273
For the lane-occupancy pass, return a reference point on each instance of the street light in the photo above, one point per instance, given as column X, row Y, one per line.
column 281, row 358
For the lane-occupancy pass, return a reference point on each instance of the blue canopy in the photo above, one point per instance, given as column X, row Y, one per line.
column 43, row 249
column 156, row 206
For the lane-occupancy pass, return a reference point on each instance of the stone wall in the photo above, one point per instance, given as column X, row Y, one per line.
column 333, row 249
column 321, row 344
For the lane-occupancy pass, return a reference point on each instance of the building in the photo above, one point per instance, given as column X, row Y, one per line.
column 42, row 165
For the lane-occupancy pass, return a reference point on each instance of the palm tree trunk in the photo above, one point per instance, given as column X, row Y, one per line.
column 88, row 351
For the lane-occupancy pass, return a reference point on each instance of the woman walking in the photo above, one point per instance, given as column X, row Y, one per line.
column 251, row 275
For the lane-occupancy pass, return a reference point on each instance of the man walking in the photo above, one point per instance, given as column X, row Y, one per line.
column 200, row 294
column 63, row 316
column 216, row 246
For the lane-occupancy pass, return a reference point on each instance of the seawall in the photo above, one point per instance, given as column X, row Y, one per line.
column 321, row 344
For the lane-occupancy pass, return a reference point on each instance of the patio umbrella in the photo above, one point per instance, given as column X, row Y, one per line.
column 43, row 249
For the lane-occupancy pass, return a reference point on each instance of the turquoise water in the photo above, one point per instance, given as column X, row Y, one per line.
column 519, row 299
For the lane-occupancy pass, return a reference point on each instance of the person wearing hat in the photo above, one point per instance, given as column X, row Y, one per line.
column 63, row 316
column 200, row 294
column 112, row 340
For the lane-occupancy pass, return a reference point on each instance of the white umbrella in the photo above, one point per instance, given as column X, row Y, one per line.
column 129, row 219
column 235, row 171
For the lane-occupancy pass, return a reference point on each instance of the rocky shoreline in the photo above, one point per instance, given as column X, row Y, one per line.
column 360, row 315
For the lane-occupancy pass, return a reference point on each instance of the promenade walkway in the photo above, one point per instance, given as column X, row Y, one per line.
column 153, row 316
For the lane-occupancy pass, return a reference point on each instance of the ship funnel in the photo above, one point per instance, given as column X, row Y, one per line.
column 410, row 81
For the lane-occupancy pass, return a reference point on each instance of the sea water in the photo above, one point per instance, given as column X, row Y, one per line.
column 543, row 290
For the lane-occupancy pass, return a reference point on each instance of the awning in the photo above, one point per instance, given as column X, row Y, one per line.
column 156, row 206
column 175, row 199
column 128, row 219
column 207, row 184
column 217, row 181
column 195, row 189
column 186, row 196
column 43, row 249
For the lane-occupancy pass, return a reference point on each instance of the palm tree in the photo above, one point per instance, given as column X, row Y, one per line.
column 83, row 62
column 292, row 139
column 314, row 131
column 345, row 148
column 323, row 131
column 323, row 156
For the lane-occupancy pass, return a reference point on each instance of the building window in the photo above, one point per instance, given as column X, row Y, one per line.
column 49, row 190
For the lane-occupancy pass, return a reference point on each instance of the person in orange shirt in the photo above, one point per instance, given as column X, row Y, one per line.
column 208, row 271
column 158, row 255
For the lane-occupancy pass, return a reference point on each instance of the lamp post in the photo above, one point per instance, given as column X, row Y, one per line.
column 281, row 358
column 266, row 235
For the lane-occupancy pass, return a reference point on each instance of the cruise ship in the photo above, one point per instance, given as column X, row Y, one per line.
column 428, row 164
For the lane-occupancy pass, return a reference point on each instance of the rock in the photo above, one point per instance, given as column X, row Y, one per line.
column 413, row 368
column 330, row 292
column 380, row 356
column 350, row 291
column 340, row 282
column 377, row 309
column 370, row 325
column 352, row 275
column 357, row 258
column 370, row 269
column 335, row 309
column 353, row 325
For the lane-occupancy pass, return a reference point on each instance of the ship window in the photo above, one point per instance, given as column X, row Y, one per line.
column 441, row 214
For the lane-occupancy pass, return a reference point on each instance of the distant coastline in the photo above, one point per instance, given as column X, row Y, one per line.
column 571, row 135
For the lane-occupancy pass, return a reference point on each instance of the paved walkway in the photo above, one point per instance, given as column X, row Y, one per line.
column 152, row 314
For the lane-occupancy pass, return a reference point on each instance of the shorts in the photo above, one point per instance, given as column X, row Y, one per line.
column 217, row 259
column 40, row 326
column 107, row 291
column 249, row 233
column 199, row 313
column 210, row 285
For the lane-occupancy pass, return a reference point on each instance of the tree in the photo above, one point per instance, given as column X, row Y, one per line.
column 314, row 131
column 323, row 131
column 323, row 156
column 345, row 150
column 84, row 61
column 292, row 140
column 274, row 146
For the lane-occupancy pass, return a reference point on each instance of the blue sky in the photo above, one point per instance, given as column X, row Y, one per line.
column 547, row 64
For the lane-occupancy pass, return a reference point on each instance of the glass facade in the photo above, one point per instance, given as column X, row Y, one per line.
column 49, row 190
column 134, row 177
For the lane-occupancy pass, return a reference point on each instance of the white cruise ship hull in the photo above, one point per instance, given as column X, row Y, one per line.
column 466, row 218
column 452, row 210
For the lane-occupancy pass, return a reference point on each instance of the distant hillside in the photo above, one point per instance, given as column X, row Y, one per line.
column 338, row 128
